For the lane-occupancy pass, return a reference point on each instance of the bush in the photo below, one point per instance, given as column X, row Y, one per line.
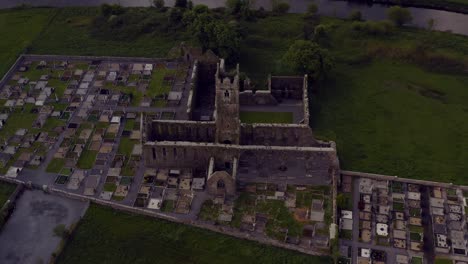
column 355, row 15
column 181, row 3
column 321, row 34
column 61, row 231
column 279, row 7
column 373, row 27
column 306, row 57
column 240, row 8
column 312, row 9
column 159, row 4
column 175, row 16
column 107, row 10
column 399, row 16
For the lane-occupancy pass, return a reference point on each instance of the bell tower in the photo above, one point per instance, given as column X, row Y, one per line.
column 227, row 106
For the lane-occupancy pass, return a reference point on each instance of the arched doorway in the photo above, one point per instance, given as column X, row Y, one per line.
column 220, row 185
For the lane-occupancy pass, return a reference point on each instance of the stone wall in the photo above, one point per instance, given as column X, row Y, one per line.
column 314, row 163
column 176, row 130
column 170, row 154
column 227, row 106
column 194, row 223
column 277, row 135
column 287, row 87
column 193, row 90
column 250, row 97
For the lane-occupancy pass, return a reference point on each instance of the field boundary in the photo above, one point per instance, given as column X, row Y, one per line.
column 217, row 229
column 406, row 180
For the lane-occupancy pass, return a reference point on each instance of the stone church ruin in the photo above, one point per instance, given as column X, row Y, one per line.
column 213, row 143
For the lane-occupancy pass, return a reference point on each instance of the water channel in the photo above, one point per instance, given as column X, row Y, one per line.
column 444, row 20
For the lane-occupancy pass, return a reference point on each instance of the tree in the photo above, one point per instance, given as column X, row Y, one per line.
column 218, row 35
column 341, row 201
column 175, row 16
column 321, row 34
column 242, row 8
column 399, row 16
column 279, row 7
column 431, row 23
column 312, row 9
column 115, row 9
column 306, row 57
column 181, row 3
column 355, row 15
column 159, row 4
column 61, row 231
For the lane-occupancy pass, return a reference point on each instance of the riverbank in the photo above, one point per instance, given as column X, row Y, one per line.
column 458, row 6
column 393, row 122
column 382, row 92
column 444, row 20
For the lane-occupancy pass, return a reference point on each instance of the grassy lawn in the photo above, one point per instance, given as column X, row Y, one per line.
column 110, row 187
column 71, row 27
column 386, row 116
column 17, row 29
column 209, row 211
column 264, row 46
column 157, row 84
column 87, row 159
column 266, row 117
column 126, row 146
column 6, row 189
column 53, row 122
column 440, row 260
column 129, row 124
column 18, row 119
column 397, row 119
column 136, row 96
column 60, row 86
column 115, row 234
column 55, row 165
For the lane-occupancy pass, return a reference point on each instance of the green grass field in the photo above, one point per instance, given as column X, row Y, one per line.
column 87, row 159
column 387, row 116
column 266, row 117
column 69, row 34
column 268, row 39
column 18, row 119
column 6, row 189
column 119, row 237
column 18, row 28
column 55, row 165
column 397, row 119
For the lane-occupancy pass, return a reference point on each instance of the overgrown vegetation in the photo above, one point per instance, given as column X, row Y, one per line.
column 116, row 234
column 266, row 117
column 18, row 28
column 6, row 189
column 400, row 90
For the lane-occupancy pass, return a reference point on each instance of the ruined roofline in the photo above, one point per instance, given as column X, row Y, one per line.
column 48, row 57
column 305, row 99
column 222, row 77
column 287, row 76
column 263, row 125
column 383, row 177
column 184, row 122
column 239, row 147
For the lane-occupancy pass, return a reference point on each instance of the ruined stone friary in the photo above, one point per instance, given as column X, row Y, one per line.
column 215, row 144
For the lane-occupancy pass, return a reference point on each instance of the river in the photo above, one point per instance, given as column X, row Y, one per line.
column 454, row 22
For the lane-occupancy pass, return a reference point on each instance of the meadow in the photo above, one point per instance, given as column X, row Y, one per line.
column 108, row 236
column 18, row 28
column 6, row 189
column 388, row 112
